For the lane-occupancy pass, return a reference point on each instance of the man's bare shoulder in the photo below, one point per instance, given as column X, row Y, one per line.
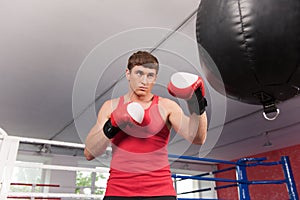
column 167, row 103
column 112, row 101
column 109, row 105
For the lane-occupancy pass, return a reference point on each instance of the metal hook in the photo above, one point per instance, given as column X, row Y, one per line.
column 269, row 117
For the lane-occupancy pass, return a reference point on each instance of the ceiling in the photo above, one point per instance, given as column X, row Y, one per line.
column 60, row 60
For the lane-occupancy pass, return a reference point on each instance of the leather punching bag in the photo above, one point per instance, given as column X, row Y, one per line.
column 255, row 45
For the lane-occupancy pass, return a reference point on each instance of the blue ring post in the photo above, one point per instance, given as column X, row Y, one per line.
column 242, row 179
column 291, row 185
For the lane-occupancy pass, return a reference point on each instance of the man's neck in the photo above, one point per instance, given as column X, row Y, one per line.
column 144, row 99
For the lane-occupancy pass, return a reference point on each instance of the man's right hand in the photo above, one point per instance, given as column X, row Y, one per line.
column 126, row 114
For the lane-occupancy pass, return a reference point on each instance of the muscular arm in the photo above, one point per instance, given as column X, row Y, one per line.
column 193, row 128
column 96, row 142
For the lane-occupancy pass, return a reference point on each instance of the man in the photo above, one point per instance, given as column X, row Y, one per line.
column 139, row 167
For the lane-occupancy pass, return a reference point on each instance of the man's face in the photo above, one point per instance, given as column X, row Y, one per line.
column 141, row 79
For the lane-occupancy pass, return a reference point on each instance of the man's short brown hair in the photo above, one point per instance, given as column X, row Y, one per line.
column 144, row 59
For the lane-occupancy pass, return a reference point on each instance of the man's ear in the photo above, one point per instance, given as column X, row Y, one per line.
column 127, row 74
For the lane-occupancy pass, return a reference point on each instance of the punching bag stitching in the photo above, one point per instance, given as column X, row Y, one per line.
column 247, row 52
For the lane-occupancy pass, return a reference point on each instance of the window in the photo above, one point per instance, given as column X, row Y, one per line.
column 26, row 176
column 90, row 182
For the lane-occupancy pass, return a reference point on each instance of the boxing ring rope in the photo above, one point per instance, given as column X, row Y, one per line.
column 37, row 185
column 59, row 167
column 2, row 132
column 33, row 189
column 39, row 198
column 56, row 195
column 10, row 145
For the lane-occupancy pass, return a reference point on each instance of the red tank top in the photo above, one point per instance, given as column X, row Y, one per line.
column 139, row 165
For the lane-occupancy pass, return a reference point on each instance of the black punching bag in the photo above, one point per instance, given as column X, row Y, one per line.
column 255, row 45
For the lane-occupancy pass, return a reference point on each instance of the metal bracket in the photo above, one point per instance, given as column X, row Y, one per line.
column 270, row 112
column 270, row 107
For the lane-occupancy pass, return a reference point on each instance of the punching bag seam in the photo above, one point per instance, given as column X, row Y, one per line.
column 247, row 52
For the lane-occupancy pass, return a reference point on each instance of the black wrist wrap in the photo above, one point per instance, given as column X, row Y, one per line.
column 197, row 103
column 109, row 130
